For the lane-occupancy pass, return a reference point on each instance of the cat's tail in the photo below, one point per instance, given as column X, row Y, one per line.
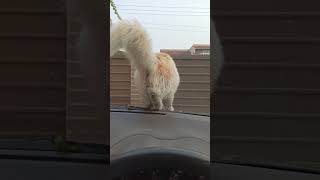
column 131, row 36
column 115, row 38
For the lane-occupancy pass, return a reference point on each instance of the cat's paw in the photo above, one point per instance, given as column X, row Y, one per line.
column 156, row 108
column 152, row 108
column 169, row 108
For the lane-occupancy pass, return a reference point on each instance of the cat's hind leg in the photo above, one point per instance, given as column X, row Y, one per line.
column 139, row 82
column 155, row 100
column 146, row 100
column 167, row 102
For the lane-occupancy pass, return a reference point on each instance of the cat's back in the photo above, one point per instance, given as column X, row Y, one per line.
column 166, row 66
column 164, row 58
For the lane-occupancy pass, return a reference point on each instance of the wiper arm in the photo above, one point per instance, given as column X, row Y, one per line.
column 135, row 109
column 126, row 107
column 267, row 164
column 198, row 114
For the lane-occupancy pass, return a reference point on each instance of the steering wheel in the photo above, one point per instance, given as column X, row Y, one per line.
column 185, row 163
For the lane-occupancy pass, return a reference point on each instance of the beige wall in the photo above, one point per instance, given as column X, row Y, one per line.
column 120, row 80
column 193, row 94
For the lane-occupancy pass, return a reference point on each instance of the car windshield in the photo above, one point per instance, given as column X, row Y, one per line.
column 192, row 60
column 266, row 97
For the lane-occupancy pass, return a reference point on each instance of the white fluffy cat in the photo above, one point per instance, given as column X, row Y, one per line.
column 156, row 74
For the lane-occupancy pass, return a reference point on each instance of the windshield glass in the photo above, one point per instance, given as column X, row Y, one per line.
column 191, row 57
column 266, row 98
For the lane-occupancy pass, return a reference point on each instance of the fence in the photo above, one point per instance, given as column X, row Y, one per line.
column 193, row 94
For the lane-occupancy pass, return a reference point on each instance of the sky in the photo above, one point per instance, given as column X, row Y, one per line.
column 171, row 24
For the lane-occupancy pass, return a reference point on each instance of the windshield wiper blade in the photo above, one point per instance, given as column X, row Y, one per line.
column 135, row 109
column 192, row 113
column 267, row 164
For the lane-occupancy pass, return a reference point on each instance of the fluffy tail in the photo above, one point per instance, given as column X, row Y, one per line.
column 132, row 37
column 115, row 38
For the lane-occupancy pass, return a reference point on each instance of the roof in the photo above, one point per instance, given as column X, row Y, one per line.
column 201, row 46
column 175, row 51
column 185, row 51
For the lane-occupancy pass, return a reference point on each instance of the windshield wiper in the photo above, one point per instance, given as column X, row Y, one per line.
column 267, row 164
column 134, row 109
column 191, row 113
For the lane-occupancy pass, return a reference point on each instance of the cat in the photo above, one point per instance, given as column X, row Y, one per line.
column 156, row 74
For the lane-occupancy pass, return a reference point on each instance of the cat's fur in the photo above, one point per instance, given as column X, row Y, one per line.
column 156, row 75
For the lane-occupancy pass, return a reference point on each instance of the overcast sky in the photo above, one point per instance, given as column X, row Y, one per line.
column 171, row 24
